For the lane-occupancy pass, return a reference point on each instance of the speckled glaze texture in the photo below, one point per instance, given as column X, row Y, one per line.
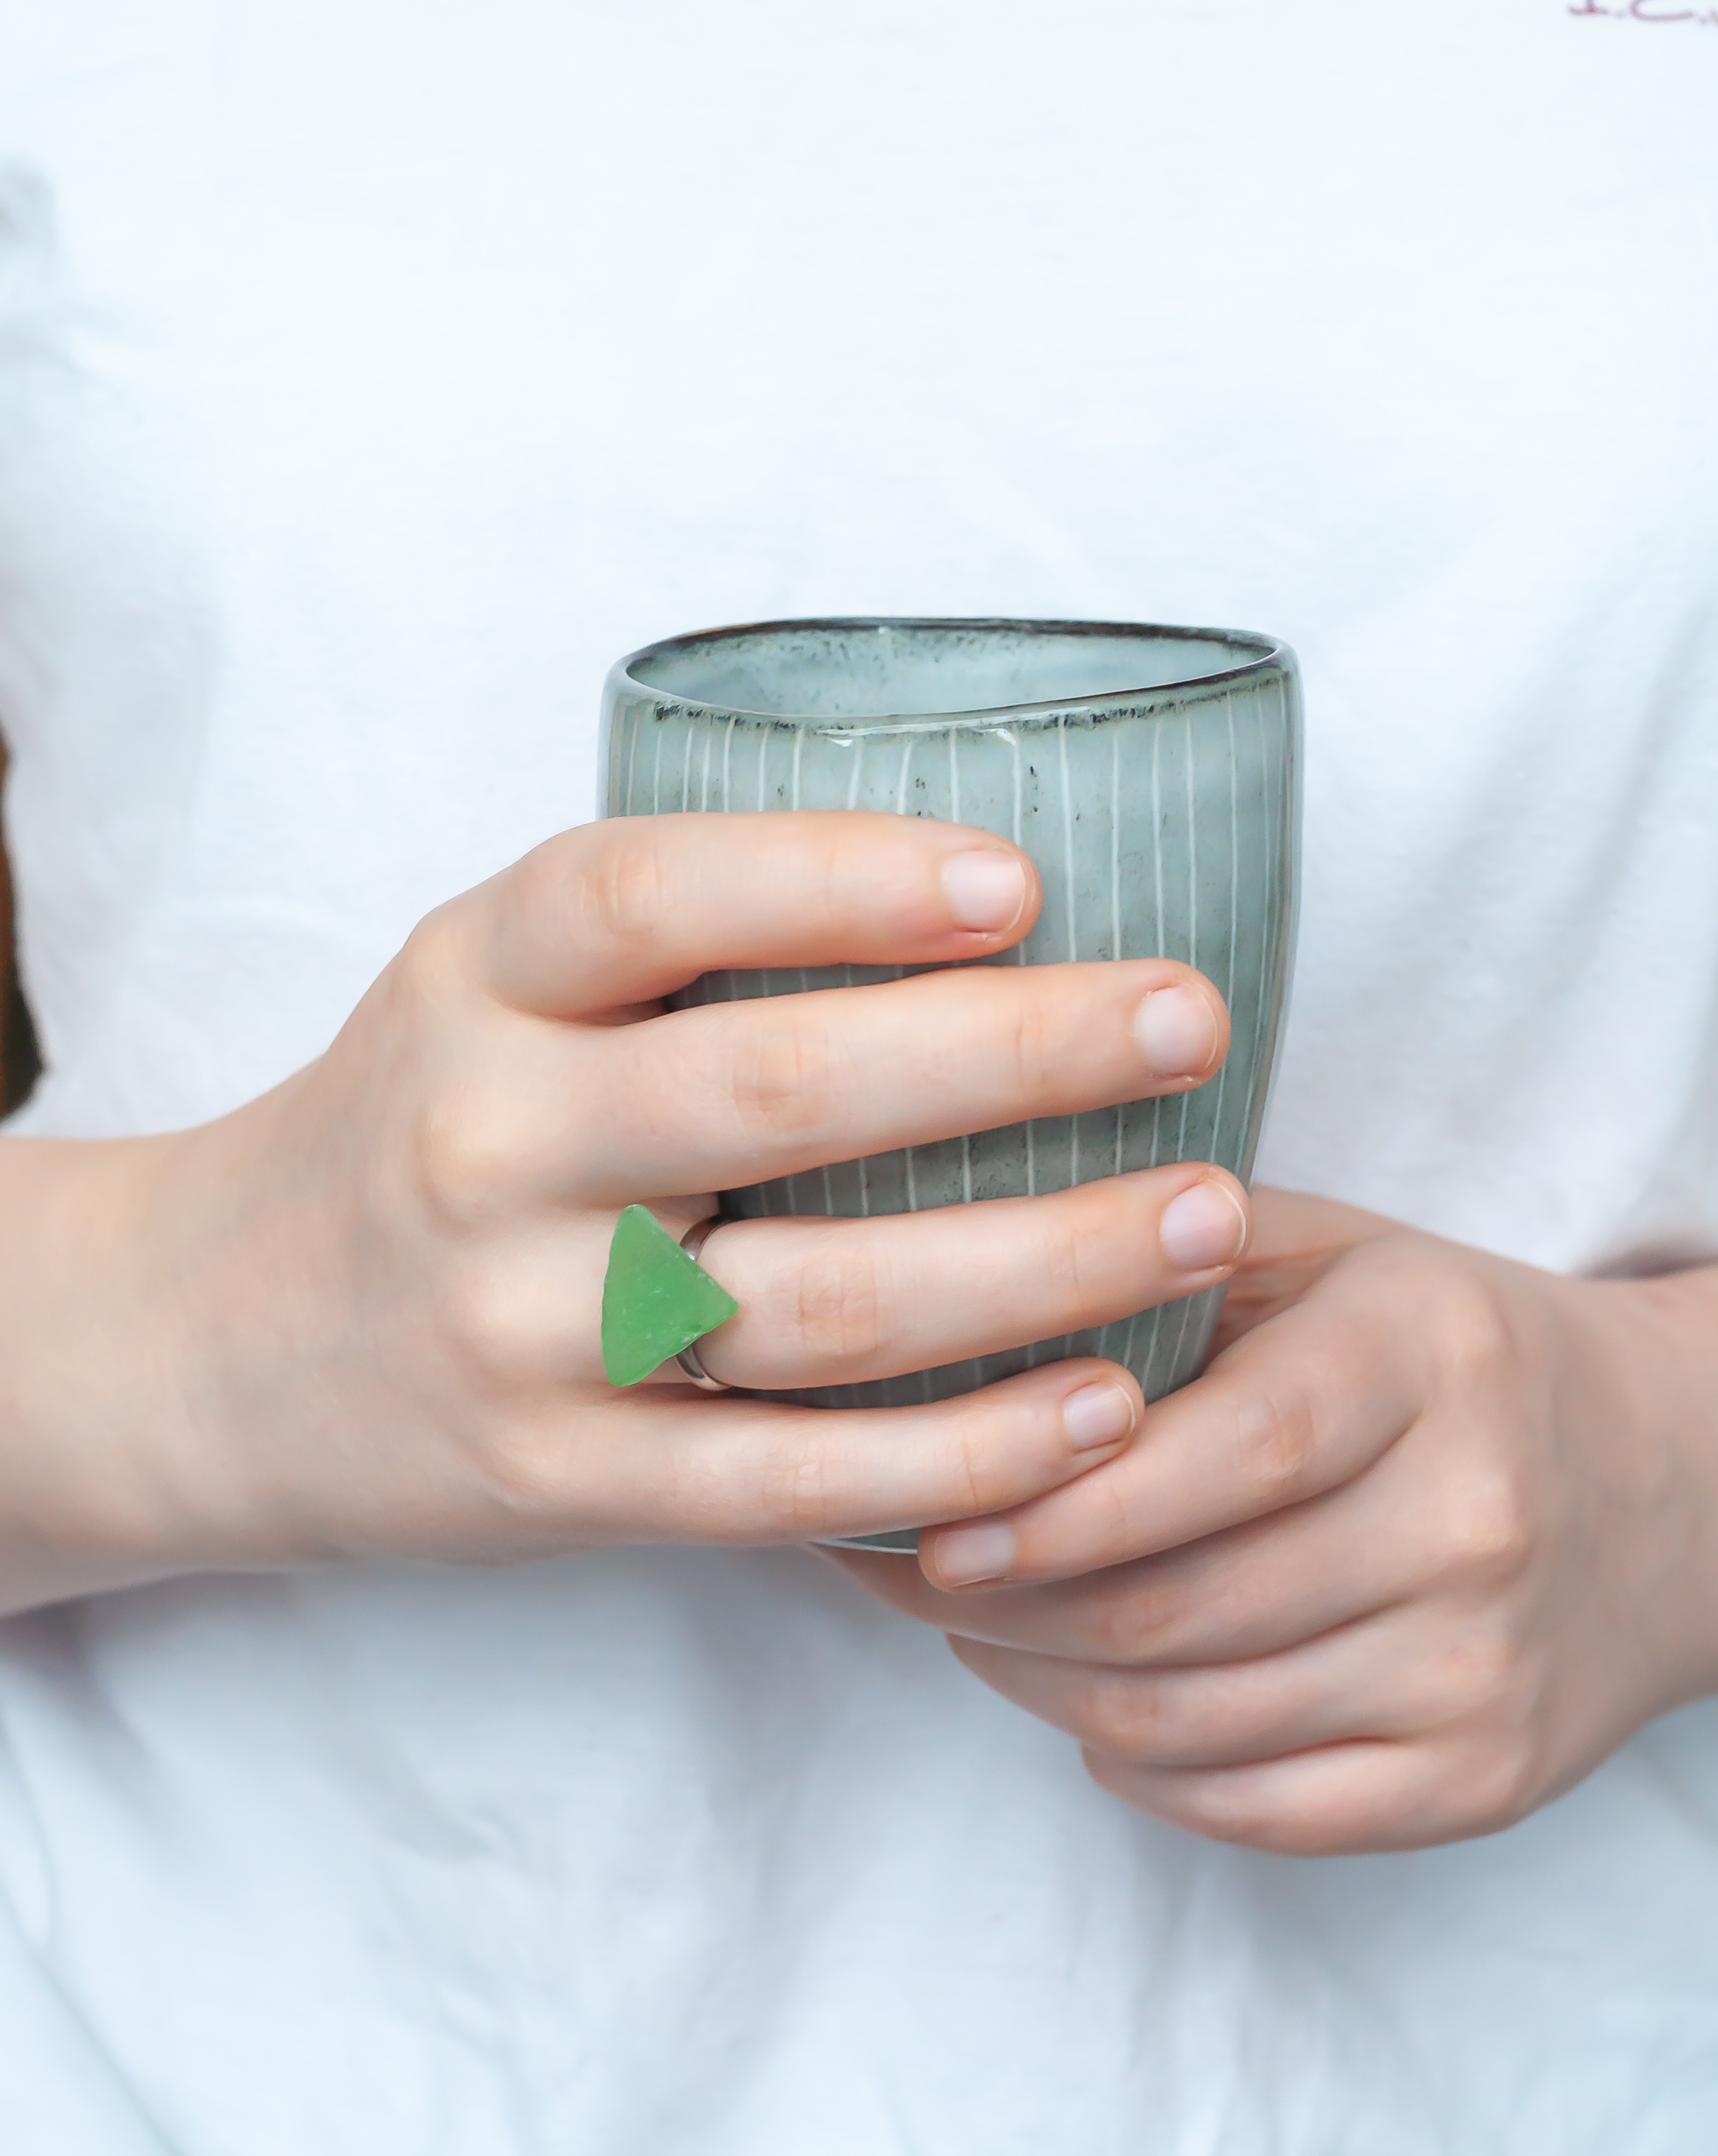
column 1151, row 774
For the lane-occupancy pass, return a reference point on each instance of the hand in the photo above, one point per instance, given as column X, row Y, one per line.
column 361, row 1315
column 1431, row 1536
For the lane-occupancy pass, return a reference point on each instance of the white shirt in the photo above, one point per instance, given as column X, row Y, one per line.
column 401, row 367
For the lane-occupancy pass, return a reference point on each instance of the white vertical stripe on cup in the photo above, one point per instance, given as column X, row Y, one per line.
column 857, row 745
column 794, row 803
column 1235, row 910
column 1261, row 999
column 1155, row 1110
column 1018, row 832
column 1068, row 878
column 632, row 754
column 793, row 1195
column 901, row 809
column 1014, row 741
column 1116, row 951
column 1070, row 890
column 1181, row 1137
column 764, row 731
column 954, row 817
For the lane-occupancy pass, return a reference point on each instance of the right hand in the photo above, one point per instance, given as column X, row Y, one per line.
column 374, row 1294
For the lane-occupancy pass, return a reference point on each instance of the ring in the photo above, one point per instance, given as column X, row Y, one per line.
column 691, row 1363
column 658, row 1300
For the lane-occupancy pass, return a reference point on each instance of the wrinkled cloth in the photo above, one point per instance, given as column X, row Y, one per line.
column 370, row 376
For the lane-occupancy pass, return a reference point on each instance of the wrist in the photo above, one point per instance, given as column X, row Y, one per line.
column 1660, row 1340
column 94, row 1441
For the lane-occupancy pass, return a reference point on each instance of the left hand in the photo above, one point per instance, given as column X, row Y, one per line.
column 1432, row 1536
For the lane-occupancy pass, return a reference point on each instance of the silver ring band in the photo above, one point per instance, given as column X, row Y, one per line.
column 691, row 1366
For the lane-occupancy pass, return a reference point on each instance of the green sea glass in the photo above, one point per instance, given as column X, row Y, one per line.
column 655, row 1299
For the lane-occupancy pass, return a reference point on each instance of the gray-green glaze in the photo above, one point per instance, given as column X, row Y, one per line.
column 1152, row 775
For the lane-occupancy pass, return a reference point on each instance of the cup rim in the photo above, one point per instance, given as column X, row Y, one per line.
column 1270, row 651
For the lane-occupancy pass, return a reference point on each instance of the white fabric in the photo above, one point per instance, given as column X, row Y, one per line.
column 410, row 363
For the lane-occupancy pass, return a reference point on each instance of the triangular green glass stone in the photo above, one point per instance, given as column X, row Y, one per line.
column 655, row 1299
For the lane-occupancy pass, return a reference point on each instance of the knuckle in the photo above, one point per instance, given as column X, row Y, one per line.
column 453, row 1141
column 1488, row 1531
column 429, row 962
column 521, row 1470
column 1497, row 1786
column 1031, row 1039
column 837, row 1306
column 975, row 1480
column 1493, row 1772
column 1280, row 1443
column 1480, row 1680
column 783, row 1075
column 1127, row 1717
column 786, row 1492
column 1066, row 1256
column 1133, row 1619
column 464, row 1156
column 794, row 1497
column 487, row 1320
column 620, row 890
column 1472, row 1329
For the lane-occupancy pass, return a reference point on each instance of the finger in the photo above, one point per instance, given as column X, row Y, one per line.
column 829, row 1301
column 1347, row 1799
column 1405, row 1673
column 661, row 1464
column 1299, row 1407
column 1295, row 1229
column 735, row 1093
column 840, row 1301
column 1296, row 1239
column 1250, row 1590
column 623, row 911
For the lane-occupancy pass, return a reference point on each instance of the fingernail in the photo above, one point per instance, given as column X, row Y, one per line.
column 1097, row 1414
column 1177, row 1032
column 985, row 889
column 1204, row 1227
column 984, row 1551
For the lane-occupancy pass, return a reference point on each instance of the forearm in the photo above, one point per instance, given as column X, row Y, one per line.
column 96, row 1431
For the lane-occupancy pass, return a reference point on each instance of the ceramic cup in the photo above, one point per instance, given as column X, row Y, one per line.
column 1152, row 773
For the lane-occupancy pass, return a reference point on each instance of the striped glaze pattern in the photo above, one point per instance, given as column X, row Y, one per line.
column 1163, row 822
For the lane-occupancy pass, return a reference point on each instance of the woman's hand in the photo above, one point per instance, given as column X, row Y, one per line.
column 1433, row 1535
column 361, row 1315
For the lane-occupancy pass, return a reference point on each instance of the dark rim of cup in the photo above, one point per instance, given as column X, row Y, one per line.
column 1270, row 651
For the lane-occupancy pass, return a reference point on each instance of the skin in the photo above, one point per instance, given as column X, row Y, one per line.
column 1433, row 1535
column 360, row 1317
column 1429, row 1538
